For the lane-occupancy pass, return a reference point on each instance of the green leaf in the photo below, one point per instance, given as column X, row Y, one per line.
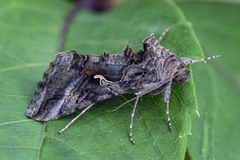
column 215, row 135
column 29, row 35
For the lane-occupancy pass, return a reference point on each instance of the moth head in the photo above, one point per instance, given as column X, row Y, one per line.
column 181, row 76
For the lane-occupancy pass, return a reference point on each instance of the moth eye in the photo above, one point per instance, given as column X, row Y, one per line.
column 182, row 76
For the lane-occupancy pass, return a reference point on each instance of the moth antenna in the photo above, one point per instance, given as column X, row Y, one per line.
column 75, row 119
column 122, row 105
column 163, row 34
column 204, row 60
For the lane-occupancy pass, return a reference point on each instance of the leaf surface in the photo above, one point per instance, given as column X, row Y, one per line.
column 215, row 135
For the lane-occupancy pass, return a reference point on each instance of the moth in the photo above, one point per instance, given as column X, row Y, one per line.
column 75, row 81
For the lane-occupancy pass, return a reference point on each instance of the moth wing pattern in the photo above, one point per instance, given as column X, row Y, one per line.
column 64, row 89
column 69, row 84
column 56, row 87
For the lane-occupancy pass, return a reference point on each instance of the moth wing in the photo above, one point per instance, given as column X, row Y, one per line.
column 64, row 89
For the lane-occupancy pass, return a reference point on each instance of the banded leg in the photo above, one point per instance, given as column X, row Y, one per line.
column 166, row 99
column 163, row 34
column 131, row 123
column 169, row 122
column 83, row 111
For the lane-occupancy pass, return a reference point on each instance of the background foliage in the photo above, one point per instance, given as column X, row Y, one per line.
column 215, row 133
column 29, row 38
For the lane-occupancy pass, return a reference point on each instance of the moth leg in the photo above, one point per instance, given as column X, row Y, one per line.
column 131, row 123
column 122, row 105
column 166, row 99
column 163, row 34
column 83, row 111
